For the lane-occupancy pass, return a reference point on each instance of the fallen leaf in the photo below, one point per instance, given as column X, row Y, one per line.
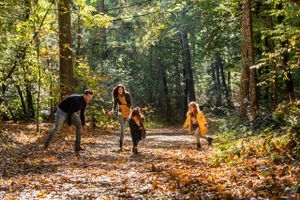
column 154, row 184
column 42, row 195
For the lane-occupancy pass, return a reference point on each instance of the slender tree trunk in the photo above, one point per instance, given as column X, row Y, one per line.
column 29, row 100
column 78, row 47
column 248, row 80
column 65, row 48
column 37, row 44
column 188, row 72
column 165, row 89
column 219, row 93
column 244, row 92
column 224, row 85
column 103, row 53
column 22, row 100
column 179, row 100
column 229, row 84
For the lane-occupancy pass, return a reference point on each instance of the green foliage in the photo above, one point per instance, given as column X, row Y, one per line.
column 141, row 47
column 288, row 113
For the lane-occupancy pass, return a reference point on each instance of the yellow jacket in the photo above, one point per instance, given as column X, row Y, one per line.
column 201, row 122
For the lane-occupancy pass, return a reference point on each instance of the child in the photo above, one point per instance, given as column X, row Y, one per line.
column 195, row 121
column 137, row 129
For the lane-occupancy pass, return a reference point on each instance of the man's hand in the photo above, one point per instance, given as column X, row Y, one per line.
column 70, row 130
column 84, row 129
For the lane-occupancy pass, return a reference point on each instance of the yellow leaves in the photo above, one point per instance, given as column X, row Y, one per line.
column 185, row 180
column 11, row 198
column 42, row 195
column 219, row 188
column 154, row 184
column 177, row 172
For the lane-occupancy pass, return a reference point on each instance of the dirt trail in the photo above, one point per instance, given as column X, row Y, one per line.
column 169, row 167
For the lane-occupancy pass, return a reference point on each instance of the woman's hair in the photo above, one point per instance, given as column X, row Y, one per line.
column 137, row 113
column 195, row 106
column 115, row 91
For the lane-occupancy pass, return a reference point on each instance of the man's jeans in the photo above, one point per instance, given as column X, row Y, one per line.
column 123, row 128
column 60, row 118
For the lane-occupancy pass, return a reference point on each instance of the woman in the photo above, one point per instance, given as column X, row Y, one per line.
column 137, row 129
column 196, row 121
column 122, row 100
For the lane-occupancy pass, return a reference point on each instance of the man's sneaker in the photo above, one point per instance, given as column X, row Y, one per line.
column 78, row 148
column 121, row 146
column 198, row 146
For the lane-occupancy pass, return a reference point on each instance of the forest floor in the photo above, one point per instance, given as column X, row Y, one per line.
column 169, row 167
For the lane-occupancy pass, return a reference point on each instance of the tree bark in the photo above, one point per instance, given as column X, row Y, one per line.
column 29, row 100
column 248, row 77
column 218, row 84
column 224, row 85
column 22, row 99
column 78, row 47
column 103, row 42
column 188, row 72
column 165, row 89
column 65, row 48
column 229, row 84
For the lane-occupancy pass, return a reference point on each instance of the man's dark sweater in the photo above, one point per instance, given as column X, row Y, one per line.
column 73, row 104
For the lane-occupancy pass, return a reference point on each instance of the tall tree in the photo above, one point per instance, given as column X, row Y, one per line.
column 65, row 47
column 248, row 76
column 187, row 64
column 103, row 53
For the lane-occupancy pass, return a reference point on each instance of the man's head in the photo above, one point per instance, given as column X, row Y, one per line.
column 88, row 95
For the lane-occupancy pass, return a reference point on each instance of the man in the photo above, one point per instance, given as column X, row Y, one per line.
column 66, row 111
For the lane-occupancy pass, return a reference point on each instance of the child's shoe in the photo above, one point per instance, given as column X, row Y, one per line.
column 210, row 140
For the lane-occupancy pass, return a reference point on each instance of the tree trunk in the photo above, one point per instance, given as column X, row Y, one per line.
column 29, row 100
column 103, row 53
column 188, row 72
column 65, row 48
column 224, row 85
column 22, row 100
column 165, row 89
column 78, row 47
column 37, row 45
column 229, row 84
column 218, row 84
column 248, row 80
column 179, row 101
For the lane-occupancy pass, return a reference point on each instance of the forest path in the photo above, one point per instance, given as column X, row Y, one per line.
column 169, row 167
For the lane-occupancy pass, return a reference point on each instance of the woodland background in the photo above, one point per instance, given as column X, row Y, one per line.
column 238, row 59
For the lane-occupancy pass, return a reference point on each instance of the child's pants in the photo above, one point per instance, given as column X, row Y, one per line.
column 198, row 136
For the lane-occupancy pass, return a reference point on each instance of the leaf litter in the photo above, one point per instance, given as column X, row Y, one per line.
column 169, row 167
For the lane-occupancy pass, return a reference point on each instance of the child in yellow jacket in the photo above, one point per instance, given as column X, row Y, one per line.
column 195, row 121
